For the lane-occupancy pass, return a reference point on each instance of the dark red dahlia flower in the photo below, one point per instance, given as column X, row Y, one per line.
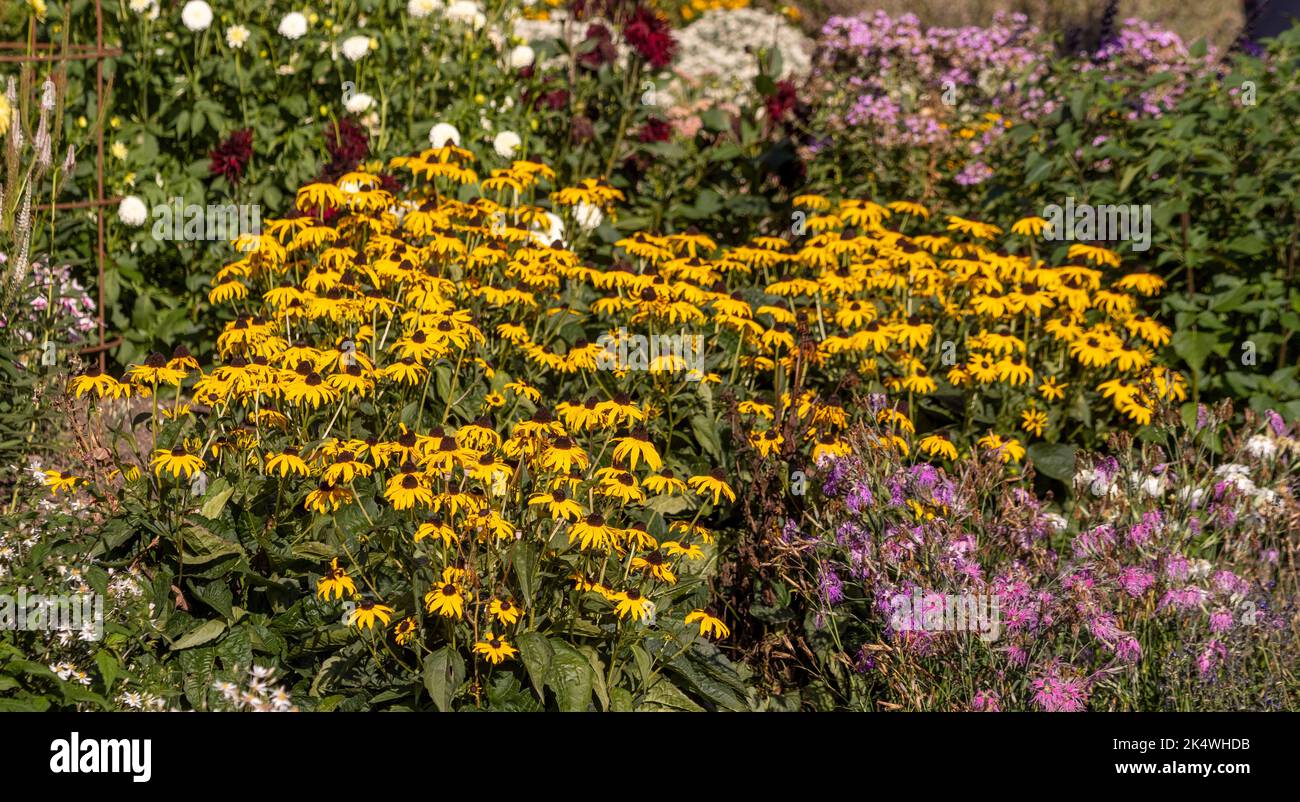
column 651, row 36
column 656, row 129
column 231, row 157
column 598, row 48
column 555, row 99
column 348, row 144
column 783, row 100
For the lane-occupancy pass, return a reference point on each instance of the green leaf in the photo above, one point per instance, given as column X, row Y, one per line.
column 664, row 695
column 313, row 550
column 1053, row 459
column 668, row 505
column 108, row 668
column 715, row 120
column 1194, row 347
column 598, row 676
column 621, row 701
column 218, row 494
column 205, row 632
column 712, row 677
column 444, row 671
column 1129, row 175
column 536, row 652
column 569, row 678
column 215, row 594
column 706, row 434
column 203, row 546
column 198, row 668
column 524, row 560
column 35, row 704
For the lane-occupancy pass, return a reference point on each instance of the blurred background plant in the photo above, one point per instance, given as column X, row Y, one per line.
column 46, row 312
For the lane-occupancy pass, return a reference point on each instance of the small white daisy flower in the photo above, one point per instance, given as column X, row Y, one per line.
column 236, row 36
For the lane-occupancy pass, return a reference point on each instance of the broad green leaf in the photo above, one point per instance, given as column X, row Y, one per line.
column 203, row 633
column 108, row 668
column 203, row 546
column 444, row 671
column 665, row 696
column 536, row 652
column 524, row 560
column 598, row 676
column 706, row 434
column 217, row 496
column 569, row 677
column 1053, row 459
column 1194, row 347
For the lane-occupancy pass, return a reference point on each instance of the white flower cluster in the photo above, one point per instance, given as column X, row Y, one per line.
column 467, row 12
column 1237, row 476
column 68, row 672
column 258, row 696
column 141, row 701
column 719, row 53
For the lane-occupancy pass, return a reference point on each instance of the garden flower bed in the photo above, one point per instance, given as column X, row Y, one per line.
column 524, row 356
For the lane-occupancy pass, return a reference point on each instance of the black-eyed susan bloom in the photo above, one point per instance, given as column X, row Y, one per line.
column 712, row 484
column 1033, row 421
column 1029, row 226
column 1006, row 449
column 438, row 529
column 710, row 624
column 656, row 565
column 505, row 610
column 154, row 372
column 406, row 631
column 407, row 490
column 310, row 391
column 558, row 504
column 563, row 455
column 936, row 445
column 57, row 481
column 286, row 463
column 176, row 461
column 328, row 497
column 367, row 614
column 636, row 448
column 622, row 486
column 634, row 604
column 1051, row 389
column 767, row 442
column 675, row 549
column 182, row 360
column 95, row 383
column 665, row 483
column 446, row 599
column 336, row 582
column 494, row 649
column 592, row 533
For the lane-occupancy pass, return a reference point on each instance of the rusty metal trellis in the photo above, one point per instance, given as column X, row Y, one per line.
column 78, row 52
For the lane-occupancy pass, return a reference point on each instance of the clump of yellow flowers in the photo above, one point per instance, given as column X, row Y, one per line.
column 425, row 377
